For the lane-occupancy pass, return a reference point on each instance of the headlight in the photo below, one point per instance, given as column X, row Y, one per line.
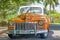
column 41, row 22
column 10, row 22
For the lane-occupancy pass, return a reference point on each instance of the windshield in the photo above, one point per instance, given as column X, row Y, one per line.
column 31, row 10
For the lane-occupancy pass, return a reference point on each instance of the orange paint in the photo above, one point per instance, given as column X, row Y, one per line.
column 31, row 17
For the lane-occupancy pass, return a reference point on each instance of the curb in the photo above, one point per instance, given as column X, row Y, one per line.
column 3, row 31
column 54, row 23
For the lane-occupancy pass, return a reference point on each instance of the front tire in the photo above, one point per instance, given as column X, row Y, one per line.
column 13, row 36
column 43, row 35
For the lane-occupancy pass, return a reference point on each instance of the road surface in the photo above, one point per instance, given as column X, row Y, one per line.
column 54, row 34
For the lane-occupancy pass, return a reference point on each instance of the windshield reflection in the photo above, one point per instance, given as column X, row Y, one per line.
column 31, row 10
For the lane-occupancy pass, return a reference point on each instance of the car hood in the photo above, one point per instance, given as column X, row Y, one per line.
column 29, row 17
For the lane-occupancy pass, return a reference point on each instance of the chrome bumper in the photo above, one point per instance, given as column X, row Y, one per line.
column 27, row 31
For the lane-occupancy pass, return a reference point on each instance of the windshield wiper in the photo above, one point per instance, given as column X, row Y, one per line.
column 28, row 10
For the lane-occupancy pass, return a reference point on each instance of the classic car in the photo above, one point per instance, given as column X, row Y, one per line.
column 31, row 20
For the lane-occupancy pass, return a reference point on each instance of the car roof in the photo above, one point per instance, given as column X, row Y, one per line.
column 32, row 5
column 41, row 6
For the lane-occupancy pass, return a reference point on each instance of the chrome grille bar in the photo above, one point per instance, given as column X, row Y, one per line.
column 25, row 26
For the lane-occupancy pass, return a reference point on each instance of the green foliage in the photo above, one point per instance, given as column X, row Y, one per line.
column 48, row 12
column 55, row 15
column 52, row 3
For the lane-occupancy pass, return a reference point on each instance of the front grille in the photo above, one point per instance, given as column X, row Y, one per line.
column 25, row 26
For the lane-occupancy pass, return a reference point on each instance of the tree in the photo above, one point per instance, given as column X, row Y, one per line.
column 6, row 5
column 56, row 3
column 9, row 5
column 53, row 3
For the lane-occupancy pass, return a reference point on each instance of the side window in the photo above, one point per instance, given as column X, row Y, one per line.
column 23, row 10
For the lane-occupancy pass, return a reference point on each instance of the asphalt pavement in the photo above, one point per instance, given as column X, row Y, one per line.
column 54, row 34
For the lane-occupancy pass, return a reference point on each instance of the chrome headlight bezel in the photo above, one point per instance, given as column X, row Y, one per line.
column 11, row 22
column 41, row 22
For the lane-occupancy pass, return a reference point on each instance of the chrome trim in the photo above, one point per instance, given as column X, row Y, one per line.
column 14, row 30
column 42, row 31
column 18, row 24
column 29, row 32
column 35, row 28
column 25, row 25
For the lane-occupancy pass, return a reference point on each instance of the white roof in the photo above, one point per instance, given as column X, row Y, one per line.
column 33, row 5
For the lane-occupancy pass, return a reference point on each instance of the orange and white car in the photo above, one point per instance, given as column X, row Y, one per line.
column 31, row 20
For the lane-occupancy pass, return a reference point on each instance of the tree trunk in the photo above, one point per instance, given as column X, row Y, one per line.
column 45, row 9
column 50, row 6
column 54, row 8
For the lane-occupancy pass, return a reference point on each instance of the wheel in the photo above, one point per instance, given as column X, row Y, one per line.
column 43, row 35
column 38, row 35
column 13, row 36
